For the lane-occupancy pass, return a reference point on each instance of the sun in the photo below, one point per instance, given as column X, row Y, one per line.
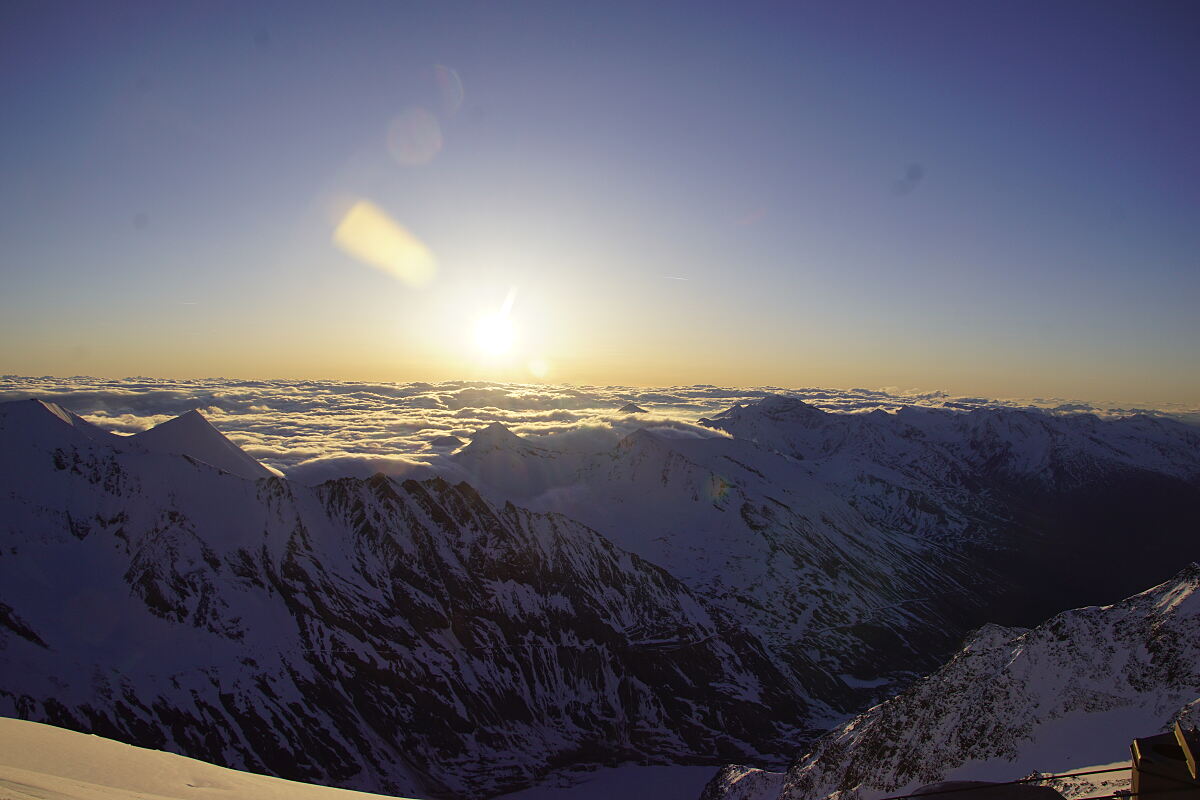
column 494, row 335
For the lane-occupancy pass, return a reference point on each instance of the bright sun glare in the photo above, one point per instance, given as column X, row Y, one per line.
column 494, row 334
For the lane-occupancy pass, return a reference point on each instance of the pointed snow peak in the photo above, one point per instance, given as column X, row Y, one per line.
column 643, row 440
column 192, row 435
column 772, row 407
column 495, row 432
column 631, row 408
column 54, row 408
column 33, row 409
column 495, row 437
column 191, row 420
column 780, row 404
column 44, row 421
column 191, row 428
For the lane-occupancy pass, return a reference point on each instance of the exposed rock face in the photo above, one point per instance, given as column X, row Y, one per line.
column 1078, row 687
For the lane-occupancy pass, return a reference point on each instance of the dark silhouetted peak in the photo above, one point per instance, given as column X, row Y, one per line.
column 446, row 442
column 631, row 408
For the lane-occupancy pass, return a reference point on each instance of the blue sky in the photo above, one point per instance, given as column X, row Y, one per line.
column 1001, row 198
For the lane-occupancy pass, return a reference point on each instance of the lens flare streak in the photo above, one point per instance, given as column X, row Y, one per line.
column 367, row 233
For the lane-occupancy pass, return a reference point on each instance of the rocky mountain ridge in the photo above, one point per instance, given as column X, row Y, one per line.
column 1073, row 691
column 405, row 637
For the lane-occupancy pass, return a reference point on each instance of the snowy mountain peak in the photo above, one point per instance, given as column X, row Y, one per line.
column 43, row 421
column 495, row 437
column 36, row 405
column 642, row 439
column 780, row 406
column 1189, row 575
column 192, row 435
column 34, row 411
column 775, row 408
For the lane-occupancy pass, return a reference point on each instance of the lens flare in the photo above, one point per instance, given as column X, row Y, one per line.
column 718, row 489
column 538, row 367
column 450, row 89
column 414, row 137
column 367, row 233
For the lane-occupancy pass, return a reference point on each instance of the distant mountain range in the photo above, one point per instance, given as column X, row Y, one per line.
column 671, row 600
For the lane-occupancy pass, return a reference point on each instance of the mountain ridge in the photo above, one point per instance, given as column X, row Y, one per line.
column 672, row 598
column 1073, row 691
column 309, row 632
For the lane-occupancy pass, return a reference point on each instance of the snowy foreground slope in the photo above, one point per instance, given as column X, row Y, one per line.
column 48, row 763
column 1071, row 693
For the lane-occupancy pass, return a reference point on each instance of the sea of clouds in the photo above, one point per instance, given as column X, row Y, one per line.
column 316, row 430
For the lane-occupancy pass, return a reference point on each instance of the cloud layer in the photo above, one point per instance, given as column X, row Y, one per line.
column 316, row 430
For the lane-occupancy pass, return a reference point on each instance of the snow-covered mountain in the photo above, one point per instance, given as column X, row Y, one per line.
column 671, row 599
column 193, row 436
column 862, row 547
column 831, row 595
column 1048, row 448
column 1024, row 490
column 372, row 634
column 1072, row 692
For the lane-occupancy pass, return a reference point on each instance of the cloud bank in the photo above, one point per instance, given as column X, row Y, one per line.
column 317, row 430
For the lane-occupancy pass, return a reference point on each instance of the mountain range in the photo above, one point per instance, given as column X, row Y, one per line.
column 673, row 599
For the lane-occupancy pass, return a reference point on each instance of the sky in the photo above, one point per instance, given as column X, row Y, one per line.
column 987, row 198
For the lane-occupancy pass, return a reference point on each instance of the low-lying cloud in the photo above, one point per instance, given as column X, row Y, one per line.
column 317, row 430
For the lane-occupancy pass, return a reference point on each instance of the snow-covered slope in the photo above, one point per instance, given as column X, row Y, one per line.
column 833, row 597
column 192, row 435
column 862, row 547
column 373, row 634
column 512, row 468
column 1070, row 693
column 41, row 761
